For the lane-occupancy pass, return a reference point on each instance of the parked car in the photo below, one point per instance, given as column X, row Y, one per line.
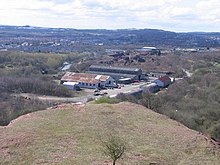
column 96, row 93
column 136, row 81
column 96, row 90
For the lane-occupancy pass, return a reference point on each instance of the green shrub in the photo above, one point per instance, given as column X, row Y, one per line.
column 17, row 106
column 108, row 100
column 215, row 131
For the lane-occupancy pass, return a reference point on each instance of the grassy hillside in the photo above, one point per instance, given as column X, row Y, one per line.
column 73, row 135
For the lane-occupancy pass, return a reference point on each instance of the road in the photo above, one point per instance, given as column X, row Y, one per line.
column 188, row 74
column 83, row 99
column 125, row 89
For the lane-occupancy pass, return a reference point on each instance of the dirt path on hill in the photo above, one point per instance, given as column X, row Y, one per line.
column 82, row 99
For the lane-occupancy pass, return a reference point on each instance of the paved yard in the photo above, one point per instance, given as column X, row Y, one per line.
column 90, row 93
column 125, row 89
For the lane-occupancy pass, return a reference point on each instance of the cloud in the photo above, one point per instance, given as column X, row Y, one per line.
column 209, row 10
column 175, row 15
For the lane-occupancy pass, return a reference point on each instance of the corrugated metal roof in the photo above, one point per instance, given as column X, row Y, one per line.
column 115, row 68
column 103, row 78
column 98, row 77
column 83, row 77
column 114, row 75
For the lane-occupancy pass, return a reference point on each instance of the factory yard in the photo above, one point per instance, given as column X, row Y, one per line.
column 125, row 88
column 128, row 88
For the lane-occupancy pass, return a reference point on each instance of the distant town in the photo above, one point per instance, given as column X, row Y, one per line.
column 64, row 40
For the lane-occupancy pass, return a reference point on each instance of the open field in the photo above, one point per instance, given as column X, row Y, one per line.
column 72, row 134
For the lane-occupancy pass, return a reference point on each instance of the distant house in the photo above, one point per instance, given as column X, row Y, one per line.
column 163, row 81
column 92, row 81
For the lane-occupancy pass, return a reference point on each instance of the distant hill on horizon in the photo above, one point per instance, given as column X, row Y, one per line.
column 32, row 39
column 104, row 29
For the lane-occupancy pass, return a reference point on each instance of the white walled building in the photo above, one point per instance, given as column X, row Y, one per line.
column 89, row 80
column 72, row 85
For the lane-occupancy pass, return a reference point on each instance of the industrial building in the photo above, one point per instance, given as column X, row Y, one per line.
column 84, row 80
column 160, row 74
column 150, row 50
column 118, row 73
column 72, row 85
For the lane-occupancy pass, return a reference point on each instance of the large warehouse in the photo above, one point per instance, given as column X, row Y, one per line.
column 117, row 73
column 85, row 80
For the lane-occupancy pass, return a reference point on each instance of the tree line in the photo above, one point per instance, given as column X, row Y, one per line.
column 29, row 73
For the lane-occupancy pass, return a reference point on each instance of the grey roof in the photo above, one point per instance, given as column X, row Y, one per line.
column 114, row 75
column 117, row 68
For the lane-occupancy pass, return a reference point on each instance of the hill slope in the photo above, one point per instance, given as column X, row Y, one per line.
column 73, row 133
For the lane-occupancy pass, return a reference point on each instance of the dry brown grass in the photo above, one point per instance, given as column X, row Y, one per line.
column 73, row 135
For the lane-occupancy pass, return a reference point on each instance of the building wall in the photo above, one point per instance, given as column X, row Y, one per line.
column 88, row 85
column 113, row 82
column 72, row 86
column 159, row 83
column 167, row 83
column 91, row 81
column 110, row 82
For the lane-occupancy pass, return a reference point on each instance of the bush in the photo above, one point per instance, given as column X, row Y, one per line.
column 17, row 106
column 33, row 85
column 215, row 132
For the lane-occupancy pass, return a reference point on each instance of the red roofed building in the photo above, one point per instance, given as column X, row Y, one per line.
column 163, row 81
column 85, row 80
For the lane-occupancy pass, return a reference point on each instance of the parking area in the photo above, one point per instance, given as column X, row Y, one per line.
column 122, row 89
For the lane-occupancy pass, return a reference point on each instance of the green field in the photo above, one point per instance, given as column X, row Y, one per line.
column 72, row 135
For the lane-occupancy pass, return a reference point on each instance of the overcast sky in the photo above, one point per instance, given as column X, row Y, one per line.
column 173, row 15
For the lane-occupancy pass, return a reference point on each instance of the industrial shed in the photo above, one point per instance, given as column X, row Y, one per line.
column 150, row 50
column 117, row 72
column 85, row 80
column 72, row 85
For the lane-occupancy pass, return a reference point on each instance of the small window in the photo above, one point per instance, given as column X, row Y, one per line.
column 93, row 84
column 86, row 84
column 82, row 83
column 90, row 84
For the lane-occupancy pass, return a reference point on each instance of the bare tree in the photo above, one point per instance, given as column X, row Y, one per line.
column 114, row 148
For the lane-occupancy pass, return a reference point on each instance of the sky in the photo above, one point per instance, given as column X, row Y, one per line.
column 172, row 15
